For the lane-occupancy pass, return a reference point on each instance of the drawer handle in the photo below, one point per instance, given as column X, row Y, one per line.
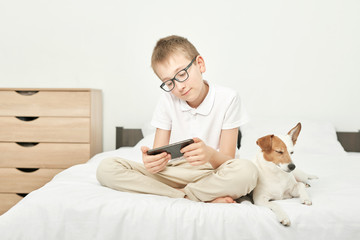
column 27, row 119
column 27, row 93
column 27, row 169
column 22, row 194
column 27, row 144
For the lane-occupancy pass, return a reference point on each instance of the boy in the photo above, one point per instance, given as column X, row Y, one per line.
column 189, row 108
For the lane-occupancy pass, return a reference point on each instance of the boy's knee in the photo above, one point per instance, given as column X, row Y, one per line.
column 105, row 170
column 246, row 176
column 250, row 173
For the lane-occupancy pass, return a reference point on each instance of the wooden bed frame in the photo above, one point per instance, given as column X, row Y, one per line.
column 350, row 141
column 128, row 137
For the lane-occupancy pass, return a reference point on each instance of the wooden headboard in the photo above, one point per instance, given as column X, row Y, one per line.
column 349, row 140
column 128, row 137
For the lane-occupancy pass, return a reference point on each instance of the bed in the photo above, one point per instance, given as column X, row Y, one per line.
column 75, row 206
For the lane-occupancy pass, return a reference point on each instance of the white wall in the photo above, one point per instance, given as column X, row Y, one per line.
column 286, row 58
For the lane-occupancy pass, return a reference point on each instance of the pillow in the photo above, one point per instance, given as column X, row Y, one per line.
column 131, row 153
column 314, row 138
column 147, row 141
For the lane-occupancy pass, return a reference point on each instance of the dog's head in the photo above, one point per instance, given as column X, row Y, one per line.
column 277, row 149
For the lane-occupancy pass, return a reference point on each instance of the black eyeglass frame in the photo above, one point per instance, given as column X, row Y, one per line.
column 175, row 79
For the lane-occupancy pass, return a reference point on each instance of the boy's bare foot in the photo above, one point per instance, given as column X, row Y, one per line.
column 223, row 200
column 216, row 200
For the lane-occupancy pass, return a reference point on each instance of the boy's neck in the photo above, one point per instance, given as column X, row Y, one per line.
column 202, row 96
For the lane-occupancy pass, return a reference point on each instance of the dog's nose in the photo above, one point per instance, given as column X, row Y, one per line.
column 291, row 166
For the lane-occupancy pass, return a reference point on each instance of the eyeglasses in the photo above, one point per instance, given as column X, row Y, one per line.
column 181, row 76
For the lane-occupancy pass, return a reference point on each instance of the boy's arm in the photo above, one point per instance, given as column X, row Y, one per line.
column 162, row 138
column 227, row 148
column 228, row 142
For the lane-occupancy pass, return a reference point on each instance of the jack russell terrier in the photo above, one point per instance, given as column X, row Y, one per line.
column 278, row 178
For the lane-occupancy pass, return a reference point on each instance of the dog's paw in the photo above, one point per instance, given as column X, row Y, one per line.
column 306, row 202
column 285, row 221
column 310, row 177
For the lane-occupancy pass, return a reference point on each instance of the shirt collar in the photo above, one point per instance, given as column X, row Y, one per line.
column 205, row 107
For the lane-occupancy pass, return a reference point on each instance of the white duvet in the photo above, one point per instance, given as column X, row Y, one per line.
column 74, row 206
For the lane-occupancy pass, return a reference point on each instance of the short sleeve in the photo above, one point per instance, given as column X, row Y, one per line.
column 236, row 114
column 161, row 116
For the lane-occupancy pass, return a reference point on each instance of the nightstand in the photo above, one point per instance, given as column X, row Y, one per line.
column 42, row 132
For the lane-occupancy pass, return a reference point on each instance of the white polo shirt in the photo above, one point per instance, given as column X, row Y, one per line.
column 221, row 109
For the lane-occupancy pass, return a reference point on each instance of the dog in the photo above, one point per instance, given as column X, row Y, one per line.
column 278, row 178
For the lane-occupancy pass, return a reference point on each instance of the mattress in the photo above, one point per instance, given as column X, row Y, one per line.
column 75, row 206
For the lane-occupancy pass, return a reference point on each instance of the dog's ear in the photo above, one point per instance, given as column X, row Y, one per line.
column 265, row 143
column 294, row 133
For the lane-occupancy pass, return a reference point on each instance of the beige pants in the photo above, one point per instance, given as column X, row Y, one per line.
column 234, row 178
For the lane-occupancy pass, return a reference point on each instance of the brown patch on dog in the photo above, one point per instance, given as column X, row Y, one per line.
column 274, row 149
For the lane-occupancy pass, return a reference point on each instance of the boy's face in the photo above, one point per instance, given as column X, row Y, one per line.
column 192, row 89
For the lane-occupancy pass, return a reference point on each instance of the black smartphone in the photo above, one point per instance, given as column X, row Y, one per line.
column 173, row 149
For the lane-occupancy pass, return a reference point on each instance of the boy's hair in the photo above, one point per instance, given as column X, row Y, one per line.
column 170, row 45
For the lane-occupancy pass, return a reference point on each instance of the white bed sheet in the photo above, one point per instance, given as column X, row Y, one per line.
column 74, row 206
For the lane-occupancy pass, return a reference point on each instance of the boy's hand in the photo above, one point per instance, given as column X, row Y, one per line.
column 154, row 163
column 197, row 153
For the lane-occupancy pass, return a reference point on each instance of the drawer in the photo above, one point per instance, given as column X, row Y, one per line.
column 43, row 155
column 45, row 129
column 7, row 200
column 15, row 181
column 45, row 103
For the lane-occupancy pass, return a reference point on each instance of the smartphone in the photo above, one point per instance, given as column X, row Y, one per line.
column 173, row 149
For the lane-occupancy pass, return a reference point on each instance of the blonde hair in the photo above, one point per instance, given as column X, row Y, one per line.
column 170, row 45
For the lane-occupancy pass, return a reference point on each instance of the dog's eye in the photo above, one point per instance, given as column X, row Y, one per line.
column 280, row 152
column 291, row 152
